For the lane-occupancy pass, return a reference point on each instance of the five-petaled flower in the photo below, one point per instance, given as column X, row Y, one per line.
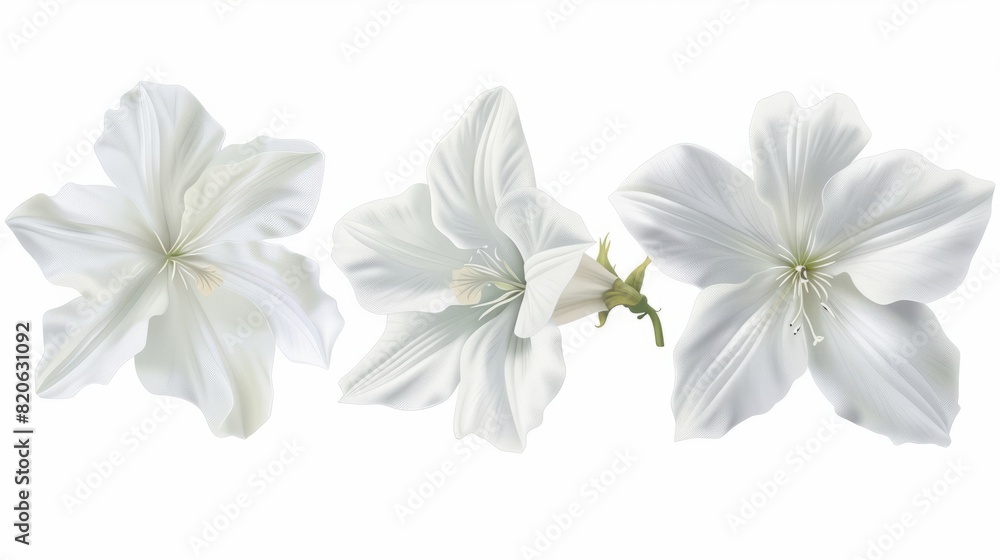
column 821, row 260
column 470, row 269
column 171, row 266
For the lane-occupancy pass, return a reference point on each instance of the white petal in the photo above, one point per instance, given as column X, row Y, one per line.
column 737, row 357
column 87, row 238
column 88, row 340
column 264, row 189
column 551, row 240
column 154, row 147
column 507, row 381
column 285, row 286
column 394, row 256
column 584, row 295
column 481, row 158
column 416, row 362
column 796, row 150
column 214, row 351
column 697, row 217
column 904, row 228
column 889, row 368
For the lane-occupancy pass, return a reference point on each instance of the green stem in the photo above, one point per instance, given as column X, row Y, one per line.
column 643, row 308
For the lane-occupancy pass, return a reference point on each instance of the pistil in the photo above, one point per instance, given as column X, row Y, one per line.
column 468, row 282
column 803, row 271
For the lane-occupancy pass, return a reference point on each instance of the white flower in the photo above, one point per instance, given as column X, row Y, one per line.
column 170, row 264
column 469, row 268
column 820, row 260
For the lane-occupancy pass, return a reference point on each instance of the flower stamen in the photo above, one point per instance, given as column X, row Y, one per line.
column 468, row 282
column 205, row 277
column 808, row 281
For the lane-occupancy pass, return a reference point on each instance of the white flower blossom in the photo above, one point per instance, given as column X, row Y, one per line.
column 821, row 260
column 469, row 268
column 171, row 266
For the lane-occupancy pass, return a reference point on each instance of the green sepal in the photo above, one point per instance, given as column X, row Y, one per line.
column 638, row 275
column 603, row 248
column 626, row 293
column 621, row 294
column 602, row 317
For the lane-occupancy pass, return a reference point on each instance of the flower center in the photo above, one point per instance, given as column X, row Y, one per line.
column 204, row 277
column 182, row 260
column 807, row 279
column 487, row 273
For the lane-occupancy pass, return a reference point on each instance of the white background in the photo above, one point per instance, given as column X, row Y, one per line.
column 930, row 85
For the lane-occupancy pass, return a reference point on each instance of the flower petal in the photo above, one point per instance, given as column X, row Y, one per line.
column 87, row 238
column 551, row 240
column 214, row 351
column 903, row 227
column 889, row 368
column 154, row 147
column 285, row 286
column 584, row 295
column 481, row 158
column 88, row 340
column 507, row 381
column 395, row 257
column 416, row 362
column 697, row 217
column 737, row 357
column 796, row 150
column 264, row 189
